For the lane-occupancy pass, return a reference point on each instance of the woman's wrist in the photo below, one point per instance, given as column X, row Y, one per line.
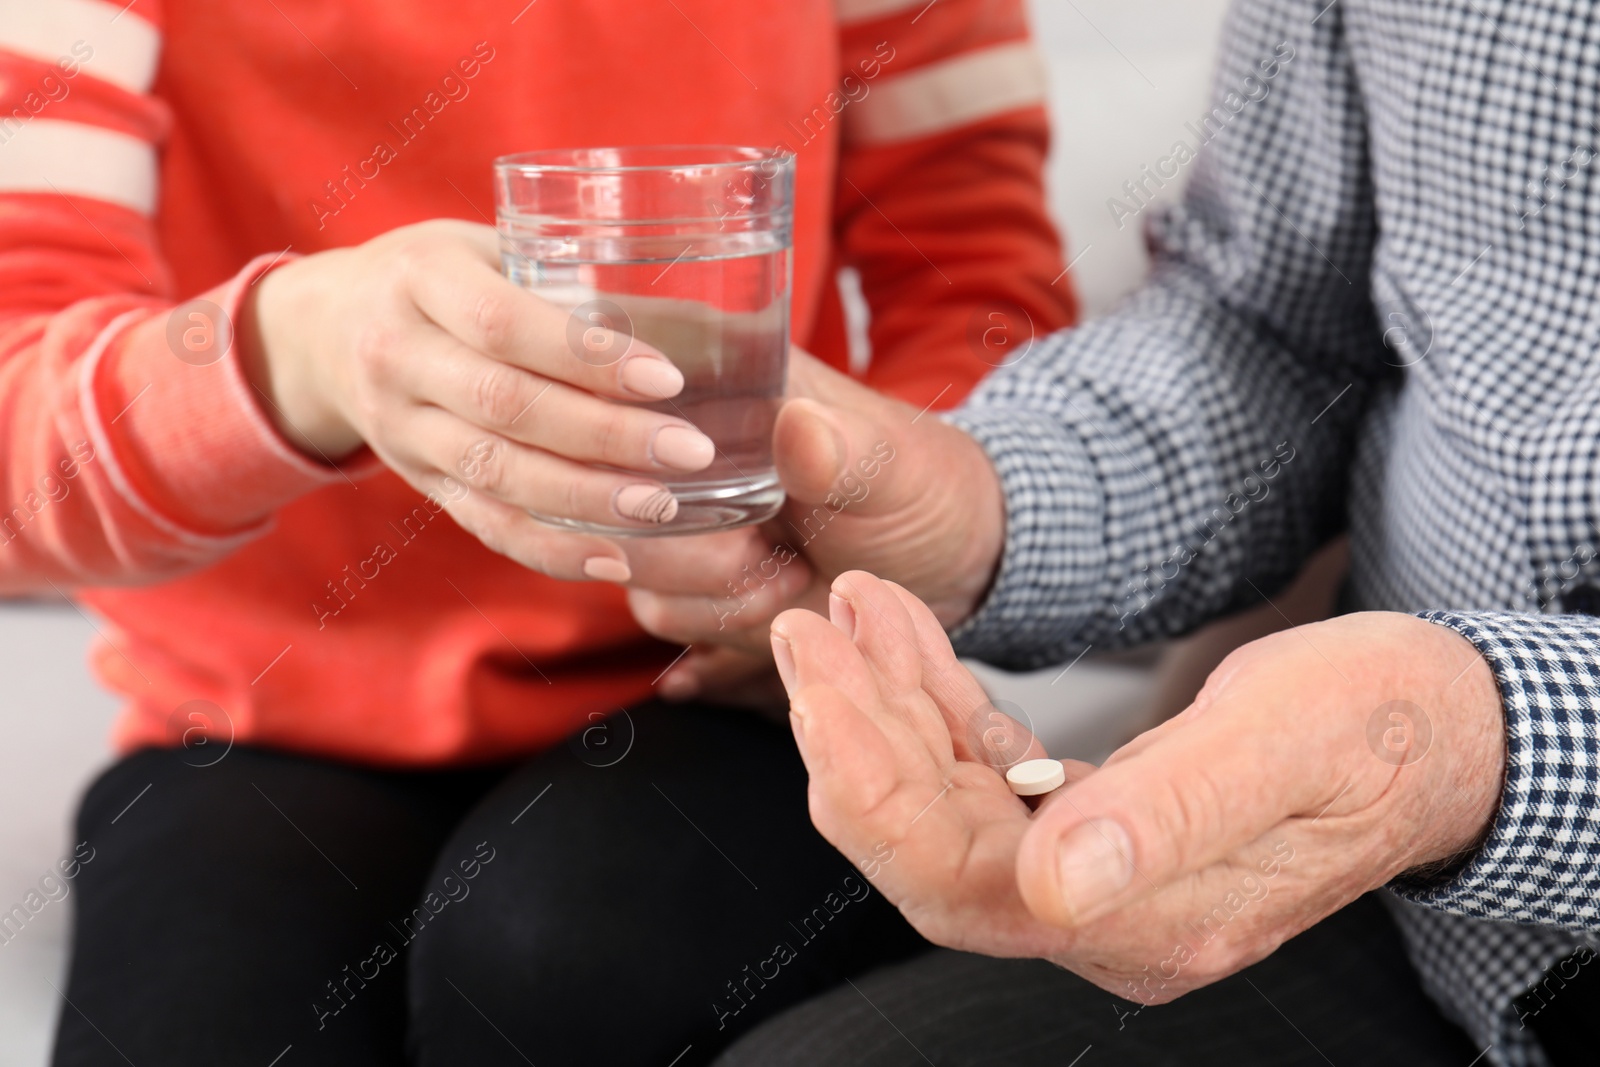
column 278, row 363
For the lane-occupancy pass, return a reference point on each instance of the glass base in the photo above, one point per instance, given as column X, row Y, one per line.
column 702, row 508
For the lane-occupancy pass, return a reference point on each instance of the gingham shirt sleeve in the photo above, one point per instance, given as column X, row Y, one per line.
column 1183, row 455
column 1541, row 861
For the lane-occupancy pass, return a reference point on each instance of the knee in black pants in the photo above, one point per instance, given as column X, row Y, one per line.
column 229, row 906
column 633, row 910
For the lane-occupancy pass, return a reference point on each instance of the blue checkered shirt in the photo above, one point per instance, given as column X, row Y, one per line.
column 1375, row 310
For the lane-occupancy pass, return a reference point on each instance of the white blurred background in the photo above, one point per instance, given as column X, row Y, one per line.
column 1125, row 76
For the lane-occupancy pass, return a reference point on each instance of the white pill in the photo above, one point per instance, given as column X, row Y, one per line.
column 1035, row 777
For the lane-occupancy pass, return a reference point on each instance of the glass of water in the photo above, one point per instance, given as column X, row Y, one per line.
column 689, row 249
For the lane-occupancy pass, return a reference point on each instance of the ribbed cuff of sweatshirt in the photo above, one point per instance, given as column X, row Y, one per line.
column 184, row 434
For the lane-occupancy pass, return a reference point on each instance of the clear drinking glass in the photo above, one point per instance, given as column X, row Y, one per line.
column 686, row 247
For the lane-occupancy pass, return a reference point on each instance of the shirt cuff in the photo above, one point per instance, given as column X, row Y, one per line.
column 1054, row 557
column 187, row 440
column 1541, row 861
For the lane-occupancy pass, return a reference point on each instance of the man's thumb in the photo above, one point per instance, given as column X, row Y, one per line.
column 839, row 456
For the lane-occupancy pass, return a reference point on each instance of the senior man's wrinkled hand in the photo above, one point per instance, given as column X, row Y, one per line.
column 1317, row 764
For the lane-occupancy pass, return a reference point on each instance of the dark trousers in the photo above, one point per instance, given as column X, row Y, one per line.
column 1340, row 993
column 616, row 901
column 643, row 896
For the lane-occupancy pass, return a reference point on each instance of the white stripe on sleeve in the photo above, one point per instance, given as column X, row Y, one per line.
column 122, row 47
column 948, row 94
column 48, row 155
column 867, row 10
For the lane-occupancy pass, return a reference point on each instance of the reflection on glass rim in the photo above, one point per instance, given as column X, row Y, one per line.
column 589, row 160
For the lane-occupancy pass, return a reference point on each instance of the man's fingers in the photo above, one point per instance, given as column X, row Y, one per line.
column 868, row 787
column 867, row 611
column 1076, row 770
column 738, row 618
column 810, row 650
column 876, row 617
column 906, row 645
column 853, row 769
column 1183, row 803
column 872, row 775
column 1211, row 924
column 980, row 731
column 728, row 563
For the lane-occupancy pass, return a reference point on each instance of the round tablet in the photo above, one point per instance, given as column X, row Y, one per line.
column 1036, row 776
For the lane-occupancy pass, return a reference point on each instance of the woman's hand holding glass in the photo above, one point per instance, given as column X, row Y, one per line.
column 415, row 344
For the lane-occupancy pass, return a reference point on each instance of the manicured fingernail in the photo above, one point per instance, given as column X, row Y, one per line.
column 1094, row 863
column 842, row 615
column 606, row 569
column 652, row 378
column 783, row 656
column 683, row 448
column 646, row 503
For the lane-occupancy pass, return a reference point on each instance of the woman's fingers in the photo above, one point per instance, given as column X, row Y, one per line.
column 544, row 413
column 512, row 533
column 514, row 474
column 415, row 344
column 458, row 285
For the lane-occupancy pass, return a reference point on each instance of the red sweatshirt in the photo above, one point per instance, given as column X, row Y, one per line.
column 168, row 151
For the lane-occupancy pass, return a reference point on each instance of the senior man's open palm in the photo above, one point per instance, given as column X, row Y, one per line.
column 1317, row 764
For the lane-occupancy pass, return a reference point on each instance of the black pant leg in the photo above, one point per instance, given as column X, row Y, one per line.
column 221, row 901
column 657, row 889
column 1342, row 992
